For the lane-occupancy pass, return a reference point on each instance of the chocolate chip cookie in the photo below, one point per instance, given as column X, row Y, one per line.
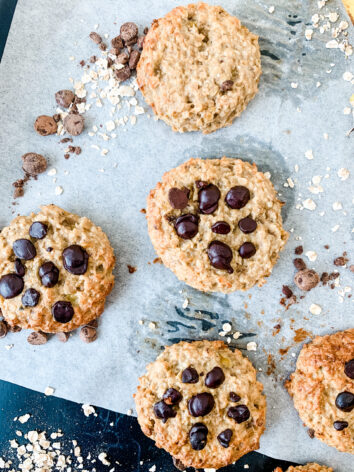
column 199, row 68
column 216, row 223
column 311, row 467
column 55, row 271
column 201, row 402
column 322, row 388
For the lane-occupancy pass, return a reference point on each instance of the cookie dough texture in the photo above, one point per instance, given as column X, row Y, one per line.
column 188, row 259
column 318, row 379
column 86, row 292
column 311, row 467
column 173, row 436
column 188, row 55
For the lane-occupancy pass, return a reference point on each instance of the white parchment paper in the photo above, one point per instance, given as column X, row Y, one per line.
column 279, row 126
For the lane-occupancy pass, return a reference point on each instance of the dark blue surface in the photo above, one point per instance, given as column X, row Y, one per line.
column 7, row 9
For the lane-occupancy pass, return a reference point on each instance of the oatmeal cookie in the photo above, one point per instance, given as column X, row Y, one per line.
column 216, row 223
column 55, row 271
column 322, row 388
column 201, row 402
column 311, row 467
column 199, row 68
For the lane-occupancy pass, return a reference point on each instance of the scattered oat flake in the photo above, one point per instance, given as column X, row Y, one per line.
column 311, row 255
column 271, row 9
column 152, row 325
column 24, row 418
column 251, row 346
column 309, row 204
column 226, row 327
column 348, row 76
column 185, row 303
column 315, row 309
column 337, row 206
column 58, row 190
column 52, row 171
column 88, row 409
column 49, row 391
column 335, row 228
column 308, row 34
column 294, row 85
column 309, row 154
column 343, row 173
column 103, row 458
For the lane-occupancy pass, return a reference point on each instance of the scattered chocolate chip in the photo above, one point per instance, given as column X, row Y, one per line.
column 234, row 397
column 299, row 263
column 75, row 259
column 287, row 291
column 11, row 285
column 88, row 334
column 220, row 256
column 239, row 413
column 226, row 86
column 19, row 268
column 146, row 30
column 93, row 59
column 66, row 140
column 237, row 197
column 349, row 369
column 224, row 437
column 82, row 63
column 221, row 227
column 201, row 404
column 140, row 42
column 123, row 74
column 178, row 198
column 18, row 192
column 299, row 250
column 345, row 401
column 134, row 59
column 172, row 396
column 49, row 274
column 102, row 46
column 24, row 249
column 247, row 250
column 198, row 436
column 64, row 98
column 63, row 337
column 74, row 124
column 3, row 329
column 131, row 269
column 214, row 378
column 311, row 433
column 37, row 338
column 186, row 226
column 247, row 225
column 164, row 411
column 122, row 58
column 117, row 42
column 306, row 279
column 38, row 230
column 190, row 376
column 62, row 311
column 45, row 125
column 96, row 38
column 30, row 298
column 340, row 261
column 340, row 425
column 34, row 164
column 114, row 51
column 208, row 198
column 128, row 31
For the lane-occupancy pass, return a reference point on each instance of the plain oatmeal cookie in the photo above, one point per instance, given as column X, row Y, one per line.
column 311, row 467
column 55, row 271
column 199, row 68
column 201, row 402
column 322, row 388
column 216, row 223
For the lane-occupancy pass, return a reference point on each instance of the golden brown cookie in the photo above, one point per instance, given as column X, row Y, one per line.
column 322, row 388
column 311, row 467
column 216, row 223
column 201, row 402
column 55, row 271
column 199, row 68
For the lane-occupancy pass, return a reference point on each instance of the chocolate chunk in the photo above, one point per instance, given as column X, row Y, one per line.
column 299, row 250
column 38, row 230
column 146, row 30
column 164, row 411
column 345, row 401
column 75, row 259
column 247, row 250
column 18, row 192
column 128, row 31
column 45, row 125
column 227, row 85
column 122, row 58
column 186, row 226
column 34, row 164
column 190, row 376
column 134, row 59
column 208, row 198
column 96, row 38
column 172, row 396
column 140, row 42
column 287, row 291
column 214, row 378
column 306, row 279
column 221, row 227
column 3, row 329
column 299, row 263
column 37, row 338
column 49, row 274
column 220, row 256
column 201, row 184
column 74, row 124
column 14, row 328
column 88, row 334
column 311, row 433
column 11, row 285
column 117, row 42
column 340, row 261
column 234, row 397
column 19, row 268
column 24, row 249
column 340, row 425
column 64, row 98
column 102, row 46
column 123, row 74
column 198, row 436
column 201, row 404
column 62, row 311
column 30, row 297
column 93, row 323
column 239, row 413
column 247, row 225
column 178, row 198
column 349, row 369
column 178, row 464
column 237, row 197
column 63, row 337
column 224, row 437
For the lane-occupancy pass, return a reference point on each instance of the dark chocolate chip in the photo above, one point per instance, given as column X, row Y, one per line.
column 190, row 376
column 340, row 425
column 201, row 404
column 38, row 230
column 220, row 256
column 224, row 437
column 178, row 198
column 287, row 291
column 247, row 225
column 299, row 263
column 214, row 378
column 187, row 226
column 117, row 42
column 345, row 401
column 75, row 259
column 128, row 31
column 221, row 227
column 198, row 436
column 49, row 274
column 201, row 184
column 299, row 250
column 19, row 268
column 11, row 285
column 123, row 74
column 208, row 198
column 30, row 297
column 62, row 311
column 134, row 59
column 24, row 249
column 239, row 413
column 227, row 85
column 349, row 369
column 172, row 396
column 234, row 397
column 247, row 250
column 237, row 197
column 164, row 411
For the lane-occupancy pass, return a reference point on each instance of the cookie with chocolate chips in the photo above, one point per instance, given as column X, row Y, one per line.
column 201, row 402
column 55, row 271
column 216, row 223
column 322, row 388
column 311, row 467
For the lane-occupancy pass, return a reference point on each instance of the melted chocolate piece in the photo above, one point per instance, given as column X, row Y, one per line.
column 49, row 274
column 220, row 256
column 234, row 397
column 164, row 411
column 24, row 249
column 201, row 404
column 345, row 401
column 224, row 437
column 75, row 259
column 198, row 436
column 172, row 396
column 247, row 250
column 30, row 298
column 247, row 225
column 62, row 311
column 239, row 413
column 340, row 425
column 237, row 197
column 38, row 230
column 190, row 376
column 349, row 369
column 187, row 226
column 19, row 268
column 11, row 285
column 178, row 198
column 214, row 378
column 208, row 198
column 221, row 227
